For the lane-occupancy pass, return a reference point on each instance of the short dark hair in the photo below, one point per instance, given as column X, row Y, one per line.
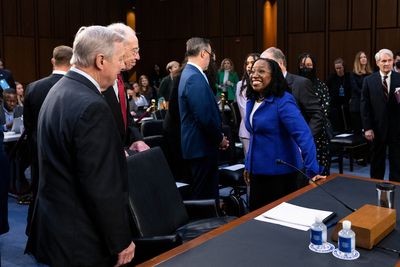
column 62, row 55
column 277, row 85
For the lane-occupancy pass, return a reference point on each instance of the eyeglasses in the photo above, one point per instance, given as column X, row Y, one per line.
column 212, row 54
column 135, row 50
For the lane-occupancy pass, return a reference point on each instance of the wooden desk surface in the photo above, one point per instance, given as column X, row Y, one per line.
column 205, row 237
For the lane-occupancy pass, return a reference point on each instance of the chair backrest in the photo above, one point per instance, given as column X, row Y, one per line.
column 152, row 127
column 154, row 199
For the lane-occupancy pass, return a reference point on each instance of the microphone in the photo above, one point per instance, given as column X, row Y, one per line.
column 282, row 162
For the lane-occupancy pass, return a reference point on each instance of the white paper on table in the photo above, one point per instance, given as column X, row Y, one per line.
column 233, row 167
column 343, row 135
column 293, row 216
column 291, row 225
column 178, row 184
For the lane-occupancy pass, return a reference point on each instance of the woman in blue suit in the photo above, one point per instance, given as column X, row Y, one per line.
column 278, row 131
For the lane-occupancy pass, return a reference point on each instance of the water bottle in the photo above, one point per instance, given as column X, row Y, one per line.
column 318, row 237
column 347, row 238
column 318, row 232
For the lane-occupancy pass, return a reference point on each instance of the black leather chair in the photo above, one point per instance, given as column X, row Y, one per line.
column 152, row 131
column 160, row 218
column 151, row 127
column 349, row 145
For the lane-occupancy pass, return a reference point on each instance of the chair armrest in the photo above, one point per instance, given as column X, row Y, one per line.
column 150, row 247
column 201, row 209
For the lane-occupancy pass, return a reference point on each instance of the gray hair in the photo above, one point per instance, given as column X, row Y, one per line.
column 276, row 53
column 383, row 51
column 195, row 45
column 127, row 32
column 92, row 40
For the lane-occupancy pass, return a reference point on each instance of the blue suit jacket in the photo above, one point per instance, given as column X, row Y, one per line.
column 277, row 132
column 201, row 128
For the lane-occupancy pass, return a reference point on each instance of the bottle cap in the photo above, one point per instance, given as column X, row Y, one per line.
column 318, row 219
column 346, row 225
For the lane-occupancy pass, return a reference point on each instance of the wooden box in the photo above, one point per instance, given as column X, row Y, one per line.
column 370, row 223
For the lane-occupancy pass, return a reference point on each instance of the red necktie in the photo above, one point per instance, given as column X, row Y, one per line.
column 385, row 88
column 122, row 100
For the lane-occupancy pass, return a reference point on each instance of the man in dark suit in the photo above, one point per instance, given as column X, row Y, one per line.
column 380, row 114
column 81, row 215
column 35, row 94
column 302, row 91
column 201, row 127
column 116, row 96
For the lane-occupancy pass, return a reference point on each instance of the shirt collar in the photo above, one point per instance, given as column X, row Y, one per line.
column 383, row 75
column 59, row 72
column 81, row 72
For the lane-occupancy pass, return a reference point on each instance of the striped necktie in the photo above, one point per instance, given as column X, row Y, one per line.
column 385, row 88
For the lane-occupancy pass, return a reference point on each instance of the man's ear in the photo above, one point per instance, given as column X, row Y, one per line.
column 53, row 61
column 99, row 61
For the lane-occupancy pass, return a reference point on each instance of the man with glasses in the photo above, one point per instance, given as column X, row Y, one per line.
column 201, row 127
column 116, row 96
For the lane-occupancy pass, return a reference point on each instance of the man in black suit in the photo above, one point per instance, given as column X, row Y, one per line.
column 81, row 215
column 35, row 94
column 116, row 96
column 302, row 91
column 380, row 114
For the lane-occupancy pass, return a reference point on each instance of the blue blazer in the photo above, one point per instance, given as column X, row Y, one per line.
column 201, row 127
column 278, row 131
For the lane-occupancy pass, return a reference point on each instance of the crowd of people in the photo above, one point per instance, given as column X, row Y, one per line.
column 79, row 123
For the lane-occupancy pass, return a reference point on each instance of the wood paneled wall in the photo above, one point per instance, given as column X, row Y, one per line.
column 30, row 29
column 338, row 28
column 163, row 27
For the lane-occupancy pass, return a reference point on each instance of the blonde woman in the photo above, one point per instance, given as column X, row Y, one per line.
column 227, row 79
column 361, row 69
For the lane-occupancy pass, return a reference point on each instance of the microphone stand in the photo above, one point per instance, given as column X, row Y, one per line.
column 281, row 162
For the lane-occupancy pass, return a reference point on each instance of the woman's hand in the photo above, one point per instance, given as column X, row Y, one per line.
column 246, row 177
column 317, row 177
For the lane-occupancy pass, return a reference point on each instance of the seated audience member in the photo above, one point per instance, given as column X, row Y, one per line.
column 227, row 79
column 145, row 88
column 361, row 69
column 241, row 99
column 19, row 88
column 131, row 102
column 140, row 102
column 167, row 83
column 277, row 132
column 10, row 109
column 340, row 93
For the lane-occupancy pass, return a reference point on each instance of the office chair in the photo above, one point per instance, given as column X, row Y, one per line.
column 160, row 218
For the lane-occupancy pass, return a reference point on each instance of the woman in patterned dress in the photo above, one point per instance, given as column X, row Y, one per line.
column 307, row 68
